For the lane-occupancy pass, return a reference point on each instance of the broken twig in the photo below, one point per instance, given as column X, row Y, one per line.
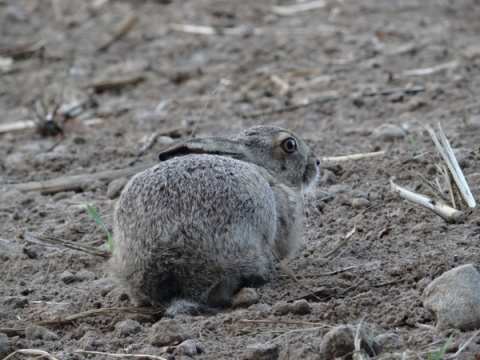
column 290, row 10
column 432, row 69
column 42, row 239
column 115, row 83
column 128, row 24
column 85, row 314
column 445, row 150
column 33, row 352
column 354, row 156
column 75, row 182
column 446, row 212
column 142, row 356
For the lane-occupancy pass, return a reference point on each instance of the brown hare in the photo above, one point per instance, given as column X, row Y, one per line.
column 212, row 217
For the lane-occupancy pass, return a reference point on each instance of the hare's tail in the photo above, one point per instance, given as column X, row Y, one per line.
column 188, row 307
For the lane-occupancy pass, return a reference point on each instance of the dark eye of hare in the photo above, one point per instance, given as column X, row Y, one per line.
column 289, row 145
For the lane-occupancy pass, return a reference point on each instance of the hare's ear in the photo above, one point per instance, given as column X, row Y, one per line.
column 212, row 146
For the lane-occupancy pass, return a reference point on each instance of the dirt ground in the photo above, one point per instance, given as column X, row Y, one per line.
column 349, row 77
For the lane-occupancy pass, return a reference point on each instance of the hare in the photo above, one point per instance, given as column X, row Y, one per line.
column 211, row 218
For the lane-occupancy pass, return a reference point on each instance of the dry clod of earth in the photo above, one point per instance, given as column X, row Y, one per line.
column 454, row 298
column 390, row 341
column 67, row 277
column 35, row 332
column 297, row 350
column 127, row 327
column 261, row 352
column 301, row 307
column 5, row 346
column 340, row 343
column 167, row 332
column 281, row 308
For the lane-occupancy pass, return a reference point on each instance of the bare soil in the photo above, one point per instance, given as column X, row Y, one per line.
column 332, row 74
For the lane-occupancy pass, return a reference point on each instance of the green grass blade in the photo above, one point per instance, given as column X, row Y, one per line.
column 441, row 351
column 99, row 221
column 413, row 145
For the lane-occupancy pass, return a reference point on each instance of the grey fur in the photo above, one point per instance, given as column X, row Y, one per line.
column 211, row 218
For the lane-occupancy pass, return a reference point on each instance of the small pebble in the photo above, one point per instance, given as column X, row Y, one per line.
column 473, row 122
column 328, row 177
column 245, row 298
column 67, row 277
column 454, row 298
column 16, row 302
column 339, row 189
column 389, row 132
column 301, row 307
column 281, row 308
column 359, row 203
column 166, row 332
column 390, row 341
column 187, row 348
column 339, row 343
column 84, row 275
column 115, row 187
column 261, row 352
column 165, row 140
column 127, row 327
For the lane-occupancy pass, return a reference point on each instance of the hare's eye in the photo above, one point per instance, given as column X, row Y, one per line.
column 289, row 145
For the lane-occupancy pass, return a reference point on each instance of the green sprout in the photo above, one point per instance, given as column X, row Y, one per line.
column 413, row 145
column 441, row 351
column 100, row 222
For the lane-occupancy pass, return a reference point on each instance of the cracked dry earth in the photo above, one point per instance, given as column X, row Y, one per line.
column 349, row 77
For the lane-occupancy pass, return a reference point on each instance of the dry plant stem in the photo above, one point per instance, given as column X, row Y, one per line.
column 142, row 356
column 341, row 244
column 153, row 137
column 354, row 156
column 358, row 353
column 447, row 213
column 75, row 182
column 426, row 326
column 239, row 31
column 33, row 352
column 222, row 82
column 291, row 10
column 445, row 150
column 335, row 272
column 287, row 322
column 85, row 314
column 29, row 124
column 464, row 346
column 23, row 50
column 431, row 70
column 115, row 83
column 17, row 125
column 127, row 25
column 448, row 181
column 42, row 239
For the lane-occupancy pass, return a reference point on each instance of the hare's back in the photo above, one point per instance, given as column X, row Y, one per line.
column 206, row 197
